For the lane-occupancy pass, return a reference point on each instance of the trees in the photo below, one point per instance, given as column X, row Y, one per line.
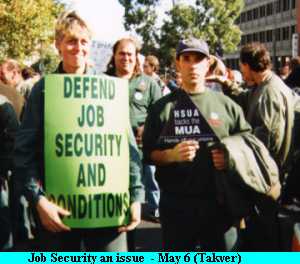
column 140, row 16
column 212, row 20
column 26, row 26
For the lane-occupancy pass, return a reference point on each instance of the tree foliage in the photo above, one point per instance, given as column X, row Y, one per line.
column 26, row 26
column 212, row 20
column 141, row 16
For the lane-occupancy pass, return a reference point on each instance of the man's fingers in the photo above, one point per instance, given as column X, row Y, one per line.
column 192, row 143
column 188, row 148
column 218, row 159
column 48, row 226
column 129, row 227
column 62, row 227
column 51, row 226
column 56, row 225
column 185, row 151
column 217, row 151
column 216, row 78
column 62, row 211
column 220, row 167
column 189, row 156
column 50, row 216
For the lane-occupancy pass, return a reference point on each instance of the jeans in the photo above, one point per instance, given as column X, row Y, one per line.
column 5, row 217
column 151, row 187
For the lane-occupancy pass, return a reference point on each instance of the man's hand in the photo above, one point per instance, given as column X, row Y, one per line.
column 135, row 217
column 221, row 79
column 218, row 157
column 185, row 151
column 49, row 214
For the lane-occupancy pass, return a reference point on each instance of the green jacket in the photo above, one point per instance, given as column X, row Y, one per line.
column 143, row 93
column 251, row 177
column 266, row 109
column 251, row 161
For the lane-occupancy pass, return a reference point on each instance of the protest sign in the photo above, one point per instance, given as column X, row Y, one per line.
column 86, row 148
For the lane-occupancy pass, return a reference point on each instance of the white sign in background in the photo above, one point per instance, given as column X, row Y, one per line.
column 100, row 55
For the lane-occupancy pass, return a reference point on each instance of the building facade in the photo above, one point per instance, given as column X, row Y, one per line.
column 276, row 23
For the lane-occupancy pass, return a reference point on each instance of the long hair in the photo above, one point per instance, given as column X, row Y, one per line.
column 111, row 66
column 14, row 97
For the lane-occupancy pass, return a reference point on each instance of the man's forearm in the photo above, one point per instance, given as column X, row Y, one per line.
column 162, row 157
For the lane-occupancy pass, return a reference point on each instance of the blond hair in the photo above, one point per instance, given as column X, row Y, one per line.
column 153, row 62
column 11, row 64
column 66, row 21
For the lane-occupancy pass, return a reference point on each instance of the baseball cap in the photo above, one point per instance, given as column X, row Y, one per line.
column 192, row 44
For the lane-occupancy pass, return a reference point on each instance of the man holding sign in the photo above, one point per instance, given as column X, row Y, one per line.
column 179, row 132
column 36, row 166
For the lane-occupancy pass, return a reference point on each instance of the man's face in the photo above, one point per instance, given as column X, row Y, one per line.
column 125, row 58
column 148, row 69
column 74, row 48
column 247, row 74
column 8, row 74
column 285, row 70
column 192, row 67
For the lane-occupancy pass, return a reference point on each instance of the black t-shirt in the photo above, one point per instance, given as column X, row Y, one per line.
column 175, row 118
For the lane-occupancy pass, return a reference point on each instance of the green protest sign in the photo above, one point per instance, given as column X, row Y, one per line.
column 86, row 148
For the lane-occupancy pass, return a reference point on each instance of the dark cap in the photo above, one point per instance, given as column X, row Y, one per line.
column 192, row 44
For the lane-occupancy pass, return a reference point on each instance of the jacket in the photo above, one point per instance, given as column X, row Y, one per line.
column 267, row 110
column 8, row 127
column 252, row 174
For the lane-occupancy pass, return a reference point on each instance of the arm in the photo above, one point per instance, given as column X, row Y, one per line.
column 29, row 162
column 153, row 154
column 235, row 91
column 270, row 126
column 183, row 151
column 8, row 128
column 28, row 148
column 186, row 151
column 136, row 188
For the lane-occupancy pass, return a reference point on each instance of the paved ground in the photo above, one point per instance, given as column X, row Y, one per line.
column 148, row 237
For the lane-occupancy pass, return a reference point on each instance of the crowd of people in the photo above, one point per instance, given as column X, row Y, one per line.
column 213, row 155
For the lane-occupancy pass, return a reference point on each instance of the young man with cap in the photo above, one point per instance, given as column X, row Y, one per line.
column 179, row 131
column 72, row 40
